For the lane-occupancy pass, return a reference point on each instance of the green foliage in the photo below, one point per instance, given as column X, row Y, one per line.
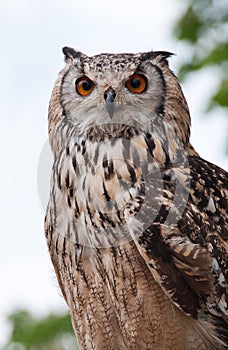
column 53, row 332
column 188, row 26
column 221, row 97
column 204, row 28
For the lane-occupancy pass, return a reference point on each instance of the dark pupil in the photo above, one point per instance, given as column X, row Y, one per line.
column 135, row 83
column 86, row 85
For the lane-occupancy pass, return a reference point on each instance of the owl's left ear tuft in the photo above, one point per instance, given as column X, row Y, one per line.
column 162, row 55
column 70, row 53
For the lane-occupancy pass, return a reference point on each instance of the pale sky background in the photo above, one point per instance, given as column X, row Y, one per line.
column 32, row 35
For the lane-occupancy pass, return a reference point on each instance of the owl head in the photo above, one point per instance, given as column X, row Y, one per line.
column 109, row 89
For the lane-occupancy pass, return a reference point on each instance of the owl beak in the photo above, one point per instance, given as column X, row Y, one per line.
column 109, row 97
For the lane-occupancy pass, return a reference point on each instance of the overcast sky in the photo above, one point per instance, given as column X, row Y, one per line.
column 32, row 35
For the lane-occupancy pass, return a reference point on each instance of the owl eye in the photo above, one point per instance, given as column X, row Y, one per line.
column 84, row 86
column 136, row 84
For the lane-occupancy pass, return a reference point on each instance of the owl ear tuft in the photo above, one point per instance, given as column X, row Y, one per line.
column 163, row 55
column 70, row 53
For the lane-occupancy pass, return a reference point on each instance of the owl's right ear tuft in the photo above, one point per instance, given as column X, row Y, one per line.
column 70, row 53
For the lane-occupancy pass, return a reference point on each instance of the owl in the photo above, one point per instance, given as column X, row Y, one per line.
column 136, row 223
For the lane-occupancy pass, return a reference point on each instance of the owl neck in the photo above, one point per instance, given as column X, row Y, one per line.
column 161, row 139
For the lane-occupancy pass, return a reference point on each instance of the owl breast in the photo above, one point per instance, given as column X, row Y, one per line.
column 101, row 182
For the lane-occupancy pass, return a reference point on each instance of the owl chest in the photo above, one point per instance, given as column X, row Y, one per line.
column 98, row 182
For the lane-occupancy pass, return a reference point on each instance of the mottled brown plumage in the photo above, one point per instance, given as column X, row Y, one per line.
column 136, row 223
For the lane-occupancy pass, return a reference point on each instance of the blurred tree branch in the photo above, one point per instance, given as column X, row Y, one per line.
column 53, row 332
column 204, row 28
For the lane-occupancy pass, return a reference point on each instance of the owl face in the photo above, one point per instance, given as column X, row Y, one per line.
column 131, row 89
column 112, row 88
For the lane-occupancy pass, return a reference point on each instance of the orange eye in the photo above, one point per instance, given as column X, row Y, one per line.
column 136, row 84
column 84, row 86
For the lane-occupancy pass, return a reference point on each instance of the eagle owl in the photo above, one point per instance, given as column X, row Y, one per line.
column 136, row 223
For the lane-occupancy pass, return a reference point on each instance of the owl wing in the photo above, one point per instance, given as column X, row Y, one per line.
column 189, row 256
